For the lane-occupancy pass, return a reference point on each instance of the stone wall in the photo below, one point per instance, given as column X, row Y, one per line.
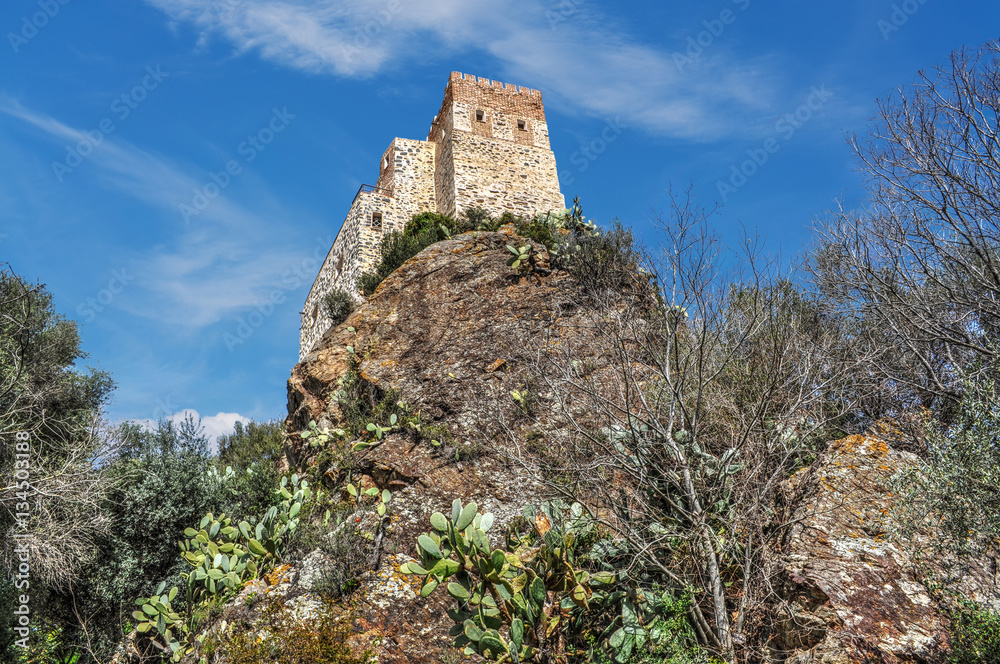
column 504, row 176
column 493, row 149
column 409, row 175
column 354, row 251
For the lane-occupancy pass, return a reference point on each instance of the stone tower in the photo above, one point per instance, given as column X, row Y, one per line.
column 488, row 147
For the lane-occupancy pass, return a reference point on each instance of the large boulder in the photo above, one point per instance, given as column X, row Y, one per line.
column 851, row 592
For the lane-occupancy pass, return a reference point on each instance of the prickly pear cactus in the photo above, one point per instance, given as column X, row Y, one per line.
column 513, row 604
column 157, row 620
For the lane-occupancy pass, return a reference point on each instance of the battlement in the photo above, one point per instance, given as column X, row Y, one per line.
column 467, row 79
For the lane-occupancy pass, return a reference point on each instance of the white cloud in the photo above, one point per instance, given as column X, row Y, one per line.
column 225, row 261
column 220, row 424
column 587, row 64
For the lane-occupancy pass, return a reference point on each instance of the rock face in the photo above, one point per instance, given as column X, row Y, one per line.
column 452, row 331
column 850, row 594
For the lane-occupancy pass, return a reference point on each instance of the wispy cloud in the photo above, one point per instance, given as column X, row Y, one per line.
column 589, row 65
column 222, row 263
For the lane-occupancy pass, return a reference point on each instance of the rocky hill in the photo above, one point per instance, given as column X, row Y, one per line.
column 447, row 342
column 451, row 334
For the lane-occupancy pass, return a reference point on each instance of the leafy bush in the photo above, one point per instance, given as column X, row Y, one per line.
column 975, row 635
column 253, row 452
column 349, row 537
column 223, row 558
column 347, row 553
column 959, row 482
column 396, row 249
column 542, row 595
column 608, row 261
column 339, row 305
column 425, row 229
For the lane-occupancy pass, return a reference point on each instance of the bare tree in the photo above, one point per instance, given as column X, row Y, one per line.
column 52, row 438
column 920, row 269
column 716, row 379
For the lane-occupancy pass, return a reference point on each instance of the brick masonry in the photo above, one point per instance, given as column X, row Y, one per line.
column 487, row 147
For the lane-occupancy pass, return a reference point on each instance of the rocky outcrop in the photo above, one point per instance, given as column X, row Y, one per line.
column 453, row 331
column 849, row 591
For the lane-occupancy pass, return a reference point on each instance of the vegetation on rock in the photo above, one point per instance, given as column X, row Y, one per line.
column 669, row 410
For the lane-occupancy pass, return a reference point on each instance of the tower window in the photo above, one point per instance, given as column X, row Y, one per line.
column 480, row 116
column 377, row 220
column 522, row 124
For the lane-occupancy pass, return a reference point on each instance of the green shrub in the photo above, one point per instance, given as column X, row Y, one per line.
column 254, row 451
column 432, row 221
column 548, row 560
column 959, row 480
column 339, row 305
column 221, row 557
column 427, row 228
column 975, row 635
column 608, row 261
column 396, row 249
column 361, row 403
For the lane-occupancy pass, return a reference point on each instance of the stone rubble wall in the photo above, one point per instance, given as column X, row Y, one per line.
column 504, row 176
column 409, row 175
column 355, row 250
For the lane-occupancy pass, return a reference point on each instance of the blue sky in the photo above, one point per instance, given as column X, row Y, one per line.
column 115, row 114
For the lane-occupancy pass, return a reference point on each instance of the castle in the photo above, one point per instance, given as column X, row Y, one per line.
column 488, row 147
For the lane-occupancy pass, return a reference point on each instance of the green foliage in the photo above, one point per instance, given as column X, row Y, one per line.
column 39, row 352
column 426, row 229
column 339, row 305
column 516, row 603
column 252, row 443
column 372, row 496
column 160, row 623
column 362, row 403
column 959, row 483
column 440, row 225
column 223, row 558
column 975, row 635
column 523, row 260
column 254, row 451
column 397, row 248
column 346, row 545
